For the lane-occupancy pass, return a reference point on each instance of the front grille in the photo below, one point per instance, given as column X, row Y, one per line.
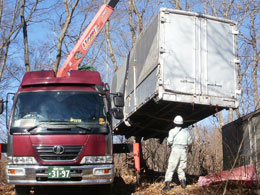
column 46, row 153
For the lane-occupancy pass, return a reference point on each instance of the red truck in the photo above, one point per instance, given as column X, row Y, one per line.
column 60, row 130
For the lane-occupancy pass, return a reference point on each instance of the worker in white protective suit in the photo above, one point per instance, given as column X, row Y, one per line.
column 180, row 141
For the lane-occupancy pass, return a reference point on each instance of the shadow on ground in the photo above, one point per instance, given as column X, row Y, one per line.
column 120, row 187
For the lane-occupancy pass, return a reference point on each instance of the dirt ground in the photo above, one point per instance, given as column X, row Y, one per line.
column 126, row 185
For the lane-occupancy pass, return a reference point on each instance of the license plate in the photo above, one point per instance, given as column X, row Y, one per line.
column 58, row 172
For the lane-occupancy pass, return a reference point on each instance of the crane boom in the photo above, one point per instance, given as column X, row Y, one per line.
column 80, row 49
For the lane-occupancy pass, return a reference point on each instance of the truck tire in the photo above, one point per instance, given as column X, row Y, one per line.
column 22, row 190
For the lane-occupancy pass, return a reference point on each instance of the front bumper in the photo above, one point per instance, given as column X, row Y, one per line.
column 80, row 175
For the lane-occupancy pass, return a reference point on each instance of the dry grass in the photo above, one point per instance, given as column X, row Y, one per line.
column 3, row 163
column 5, row 189
column 127, row 185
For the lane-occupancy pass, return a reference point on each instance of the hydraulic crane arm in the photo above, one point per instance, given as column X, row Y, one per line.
column 79, row 51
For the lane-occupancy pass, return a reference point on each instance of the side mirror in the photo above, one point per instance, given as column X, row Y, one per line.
column 117, row 113
column 118, row 100
column 1, row 105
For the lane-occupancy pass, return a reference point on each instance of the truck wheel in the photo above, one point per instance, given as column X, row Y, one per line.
column 22, row 190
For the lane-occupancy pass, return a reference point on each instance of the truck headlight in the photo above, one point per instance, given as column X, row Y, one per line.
column 25, row 160
column 96, row 159
column 101, row 171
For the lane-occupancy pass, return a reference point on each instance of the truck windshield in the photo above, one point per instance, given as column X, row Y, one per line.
column 84, row 109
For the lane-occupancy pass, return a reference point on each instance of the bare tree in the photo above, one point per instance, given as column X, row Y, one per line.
column 248, row 15
column 186, row 5
column 178, row 4
column 10, row 30
column 109, row 44
column 131, row 25
column 25, row 37
column 8, row 34
column 253, row 37
column 25, row 34
column 69, row 14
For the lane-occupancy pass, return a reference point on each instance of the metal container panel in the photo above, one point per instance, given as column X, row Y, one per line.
column 246, row 128
column 184, row 63
column 118, row 83
column 178, row 64
column 118, row 80
column 199, row 55
column 142, row 93
column 144, row 57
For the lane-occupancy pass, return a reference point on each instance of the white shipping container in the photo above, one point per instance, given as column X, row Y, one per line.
column 184, row 63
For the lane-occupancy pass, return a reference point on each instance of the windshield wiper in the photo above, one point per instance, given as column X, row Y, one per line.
column 83, row 127
column 32, row 128
column 64, row 128
column 44, row 123
column 68, row 123
column 64, row 121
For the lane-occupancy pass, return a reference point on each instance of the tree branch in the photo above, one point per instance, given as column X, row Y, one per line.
column 63, row 32
column 111, row 51
column 130, row 22
column 25, row 38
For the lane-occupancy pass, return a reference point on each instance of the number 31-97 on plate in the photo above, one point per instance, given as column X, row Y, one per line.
column 58, row 172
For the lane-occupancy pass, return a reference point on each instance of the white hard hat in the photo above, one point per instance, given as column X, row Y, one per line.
column 178, row 120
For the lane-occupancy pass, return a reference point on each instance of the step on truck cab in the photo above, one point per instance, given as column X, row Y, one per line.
column 60, row 131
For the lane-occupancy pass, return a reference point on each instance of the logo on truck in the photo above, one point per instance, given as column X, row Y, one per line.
column 58, row 149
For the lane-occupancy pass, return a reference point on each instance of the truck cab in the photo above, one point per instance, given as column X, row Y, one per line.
column 60, row 131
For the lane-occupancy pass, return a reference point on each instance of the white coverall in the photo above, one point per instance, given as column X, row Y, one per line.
column 179, row 139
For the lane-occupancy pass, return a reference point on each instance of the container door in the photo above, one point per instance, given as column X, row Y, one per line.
column 221, row 72
column 197, row 55
column 177, row 53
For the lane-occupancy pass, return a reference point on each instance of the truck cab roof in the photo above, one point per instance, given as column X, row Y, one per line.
column 45, row 78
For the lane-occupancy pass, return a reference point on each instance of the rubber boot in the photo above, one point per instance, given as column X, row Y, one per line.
column 167, row 186
column 183, row 184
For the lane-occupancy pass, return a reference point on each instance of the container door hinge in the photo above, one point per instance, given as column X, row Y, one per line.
column 235, row 31
column 163, row 20
column 237, row 61
column 162, row 50
column 166, row 11
column 238, row 91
